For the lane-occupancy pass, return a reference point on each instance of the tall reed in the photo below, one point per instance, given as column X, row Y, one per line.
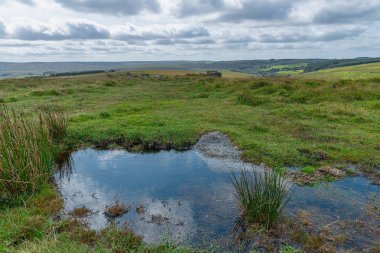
column 262, row 196
column 55, row 122
column 26, row 154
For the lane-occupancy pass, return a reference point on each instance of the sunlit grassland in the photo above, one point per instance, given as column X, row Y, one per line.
column 278, row 121
column 363, row 71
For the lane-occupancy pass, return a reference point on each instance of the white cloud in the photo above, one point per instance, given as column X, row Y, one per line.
column 194, row 30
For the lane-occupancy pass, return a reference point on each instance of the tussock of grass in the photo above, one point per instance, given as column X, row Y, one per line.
column 55, row 122
column 262, row 196
column 26, row 154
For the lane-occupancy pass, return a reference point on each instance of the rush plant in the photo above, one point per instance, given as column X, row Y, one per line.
column 262, row 196
column 26, row 153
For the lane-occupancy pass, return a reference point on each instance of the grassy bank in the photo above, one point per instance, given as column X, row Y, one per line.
column 278, row 121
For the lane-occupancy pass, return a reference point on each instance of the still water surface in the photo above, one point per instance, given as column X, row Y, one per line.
column 187, row 197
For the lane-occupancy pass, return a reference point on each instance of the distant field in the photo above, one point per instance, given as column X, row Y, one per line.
column 363, row 71
column 233, row 74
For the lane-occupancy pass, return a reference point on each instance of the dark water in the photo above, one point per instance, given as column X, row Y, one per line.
column 187, row 197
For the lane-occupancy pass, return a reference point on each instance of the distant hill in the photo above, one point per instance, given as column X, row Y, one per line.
column 336, row 63
column 272, row 67
column 257, row 67
column 362, row 71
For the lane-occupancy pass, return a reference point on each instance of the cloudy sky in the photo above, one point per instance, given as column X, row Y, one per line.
column 124, row 30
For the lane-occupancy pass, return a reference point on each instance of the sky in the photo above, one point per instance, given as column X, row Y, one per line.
column 157, row 30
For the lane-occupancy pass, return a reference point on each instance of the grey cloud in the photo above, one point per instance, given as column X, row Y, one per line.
column 111, row 7
column 3, row 30
column 196, row 7
column 238, row 40
column 69, row 30
column 249, row 9
column 28, row 2
column 348, row 14
column 185, row 41
column 17, row 45
column 259, row 10
column 310, row 36
column 170, row 34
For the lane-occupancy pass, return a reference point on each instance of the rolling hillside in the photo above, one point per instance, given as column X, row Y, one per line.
column 363, row 71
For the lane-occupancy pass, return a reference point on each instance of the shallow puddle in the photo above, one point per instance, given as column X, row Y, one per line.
column 186, row 196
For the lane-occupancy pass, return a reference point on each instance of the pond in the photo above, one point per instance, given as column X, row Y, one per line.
column 187, row 196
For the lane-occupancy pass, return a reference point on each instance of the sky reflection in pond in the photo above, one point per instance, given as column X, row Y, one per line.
column 186, row 196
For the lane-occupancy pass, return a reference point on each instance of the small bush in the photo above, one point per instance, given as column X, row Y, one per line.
column 26, row 154
column 262, row 196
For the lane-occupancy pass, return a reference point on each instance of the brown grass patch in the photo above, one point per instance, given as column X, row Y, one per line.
column 80, row 212
column 116, row 210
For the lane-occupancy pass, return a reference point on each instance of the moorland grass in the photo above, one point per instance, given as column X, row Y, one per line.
column 26, row 154
column 276, row 121
column 262, row 195
column 55, row 122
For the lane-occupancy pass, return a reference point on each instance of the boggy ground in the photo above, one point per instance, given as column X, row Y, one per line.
column 275, row 121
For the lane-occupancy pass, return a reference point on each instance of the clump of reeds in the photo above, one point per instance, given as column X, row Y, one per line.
column 55, row 122
column 262, row 196
column 26, row 151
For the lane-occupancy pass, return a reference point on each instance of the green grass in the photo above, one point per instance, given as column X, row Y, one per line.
column 290, row 249
column 55, row 123
column 277, row 121
column 26, row 154
column 363, row 71
column 262, row 195
column 308, row 170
